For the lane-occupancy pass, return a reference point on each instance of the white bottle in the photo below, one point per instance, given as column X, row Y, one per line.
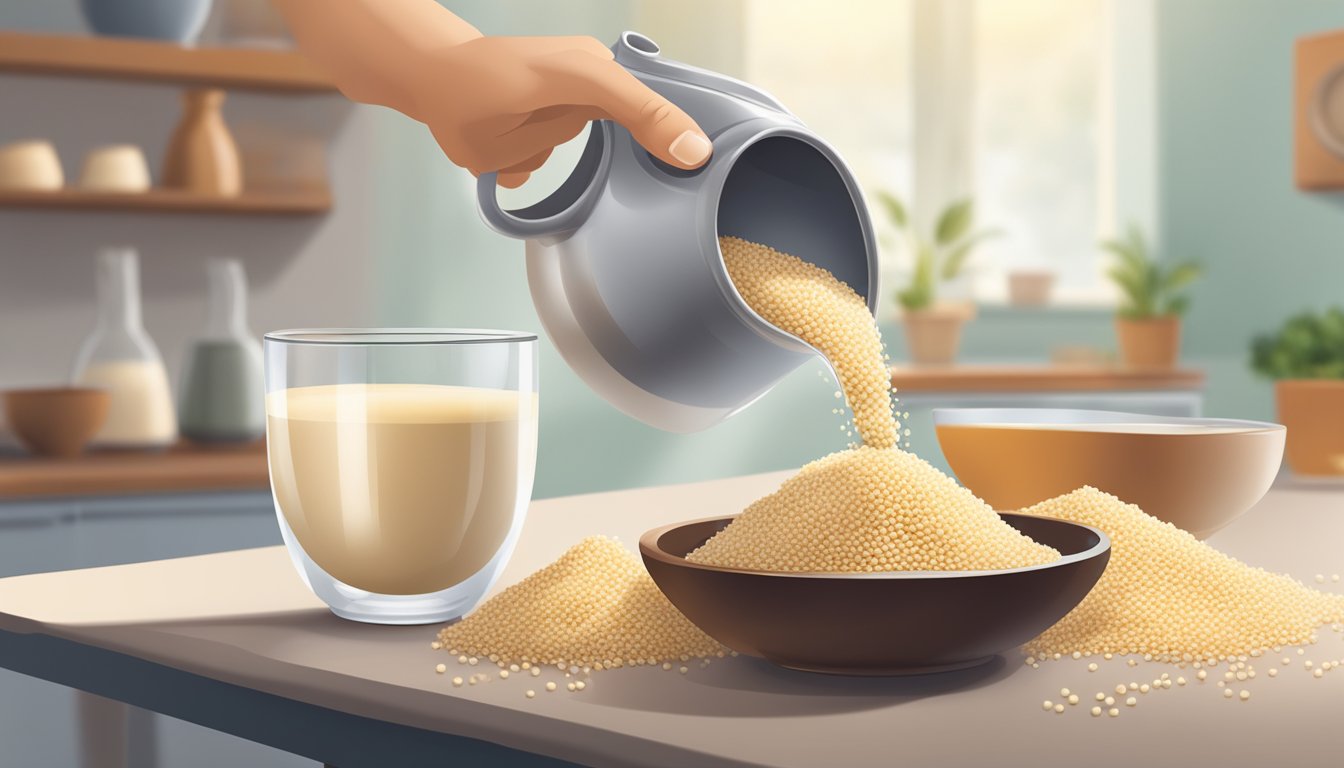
column 120, row 357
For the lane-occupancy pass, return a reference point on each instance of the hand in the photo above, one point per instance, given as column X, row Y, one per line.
column 503, row 103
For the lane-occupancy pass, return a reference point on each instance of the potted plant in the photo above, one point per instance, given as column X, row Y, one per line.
column 1306, row 360
column 933, row 328
column 1148, row 322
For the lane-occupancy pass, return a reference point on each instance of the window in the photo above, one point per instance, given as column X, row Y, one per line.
column 845, row 70
column 1037, row 165
column 1012, row 102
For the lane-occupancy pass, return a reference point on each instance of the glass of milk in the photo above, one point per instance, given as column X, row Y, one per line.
column 401, row 461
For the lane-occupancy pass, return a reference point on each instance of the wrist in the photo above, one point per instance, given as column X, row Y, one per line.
column 428, row 77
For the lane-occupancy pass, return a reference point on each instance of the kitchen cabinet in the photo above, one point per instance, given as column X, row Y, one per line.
column 38, row 725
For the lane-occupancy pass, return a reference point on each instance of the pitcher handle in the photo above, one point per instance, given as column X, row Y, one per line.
column 511, row 224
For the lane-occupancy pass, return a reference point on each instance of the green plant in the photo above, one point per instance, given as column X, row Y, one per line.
column 1150, row 289
column 1309, row 346
column 939, row 258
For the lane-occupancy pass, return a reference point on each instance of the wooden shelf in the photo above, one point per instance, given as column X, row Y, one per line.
column 182, row 468
column 298, row 203
column 1042, row 378
column 160, row 62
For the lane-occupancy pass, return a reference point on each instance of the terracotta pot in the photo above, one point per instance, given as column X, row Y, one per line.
column 58, row 421
column 1313, row 411
column 1149, row 342
column 934, row 334
column 1030, row 289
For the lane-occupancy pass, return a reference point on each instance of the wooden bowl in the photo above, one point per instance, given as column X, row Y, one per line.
column 58, row 421
column 893, row 623
column 1197, row 474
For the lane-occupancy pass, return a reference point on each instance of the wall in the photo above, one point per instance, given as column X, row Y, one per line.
column 1227, row 195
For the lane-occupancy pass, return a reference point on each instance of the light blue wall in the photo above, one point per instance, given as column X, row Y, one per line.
column 1227, row 195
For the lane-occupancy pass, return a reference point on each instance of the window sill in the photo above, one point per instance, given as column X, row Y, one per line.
column 1059, row 309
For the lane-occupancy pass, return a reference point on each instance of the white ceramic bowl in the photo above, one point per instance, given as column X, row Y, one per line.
column 1197, row 474
column 115, row 168
column 30, row 166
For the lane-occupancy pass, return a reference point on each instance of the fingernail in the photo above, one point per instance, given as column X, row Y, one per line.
column 690, row 148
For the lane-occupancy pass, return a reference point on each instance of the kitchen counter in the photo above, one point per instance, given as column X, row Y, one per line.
column 236, row 642
column 184, row 467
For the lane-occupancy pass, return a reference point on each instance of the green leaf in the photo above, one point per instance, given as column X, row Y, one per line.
column 1306, row 347
column 912, row 299
column 957, row 257
column 1152, row 285
column 1180, row 276
column 1137, row 243
column 955, row 222
column 895, row 209
column 1177, row 305
column 1128, row 258
column 1149, row 286
column 920, row 292
column 1132, row 287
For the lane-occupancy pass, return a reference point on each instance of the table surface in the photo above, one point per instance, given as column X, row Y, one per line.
column 244, row 620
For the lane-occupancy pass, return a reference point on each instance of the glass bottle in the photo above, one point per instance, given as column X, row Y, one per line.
column 222, row 383
column 120, row 357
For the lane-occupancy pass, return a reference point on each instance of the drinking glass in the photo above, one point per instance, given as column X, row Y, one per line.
column 401, row 461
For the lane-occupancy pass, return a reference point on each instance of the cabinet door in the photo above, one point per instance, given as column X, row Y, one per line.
column 131, row 530
column 36, row 724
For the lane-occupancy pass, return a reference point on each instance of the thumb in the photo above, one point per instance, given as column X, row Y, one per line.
column 657, row 124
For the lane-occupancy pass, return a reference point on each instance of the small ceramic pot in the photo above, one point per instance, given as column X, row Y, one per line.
column 933, row 335
column 1030, row 289
column 1313, row 412
column 1149, row 342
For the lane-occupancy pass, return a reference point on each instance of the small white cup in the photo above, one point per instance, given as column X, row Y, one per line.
column 115, row 168
column 30, row 165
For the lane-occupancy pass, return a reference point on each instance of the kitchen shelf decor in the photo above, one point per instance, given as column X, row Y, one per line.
column 190, row 186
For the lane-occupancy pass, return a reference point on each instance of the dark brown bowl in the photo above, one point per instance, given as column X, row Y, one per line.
column 57, row 421
column 894, row 623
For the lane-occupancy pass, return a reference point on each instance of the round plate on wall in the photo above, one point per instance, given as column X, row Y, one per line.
column 1327, row 111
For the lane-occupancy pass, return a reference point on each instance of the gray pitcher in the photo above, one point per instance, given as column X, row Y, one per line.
column 623, row 259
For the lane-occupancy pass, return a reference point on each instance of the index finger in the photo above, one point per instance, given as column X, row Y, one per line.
column 660, row 126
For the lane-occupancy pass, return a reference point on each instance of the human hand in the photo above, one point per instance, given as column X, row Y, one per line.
column 503, row 103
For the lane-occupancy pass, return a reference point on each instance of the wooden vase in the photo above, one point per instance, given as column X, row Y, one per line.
column 202, row 156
